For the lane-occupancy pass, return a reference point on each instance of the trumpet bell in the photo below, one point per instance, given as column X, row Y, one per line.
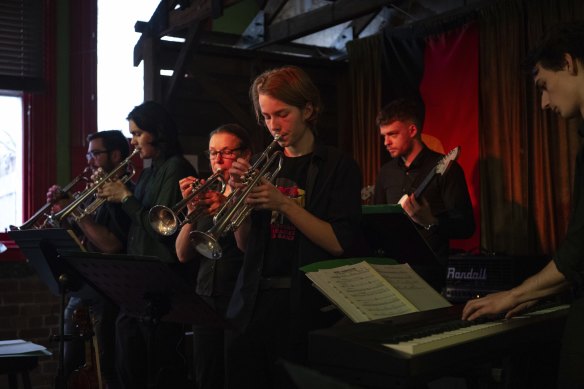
column 206, row 244
column 163, row 220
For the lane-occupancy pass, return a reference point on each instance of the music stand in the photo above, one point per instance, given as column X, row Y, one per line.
column 390, row 232
column 143, row 287
column 41, row 250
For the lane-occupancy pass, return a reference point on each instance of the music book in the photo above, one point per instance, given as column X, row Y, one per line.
column 19, row 347
column 368, row 291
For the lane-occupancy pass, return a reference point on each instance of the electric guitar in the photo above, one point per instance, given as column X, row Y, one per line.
column 440, row 168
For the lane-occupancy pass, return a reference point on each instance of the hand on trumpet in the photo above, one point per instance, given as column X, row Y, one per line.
column 114, row 191
column 56, row 196
column 266, row 196
column 237, row 172
column 211, row 201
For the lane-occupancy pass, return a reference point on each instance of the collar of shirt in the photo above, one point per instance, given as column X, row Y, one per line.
column 417, row 162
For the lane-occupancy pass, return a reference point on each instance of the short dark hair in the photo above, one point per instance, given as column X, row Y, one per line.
column 237, row 131
column 557, row 41
column 112, row 140
column 403, row 110
column 152, row 117
column 291, row 85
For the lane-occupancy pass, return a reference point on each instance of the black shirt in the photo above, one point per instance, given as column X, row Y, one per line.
column 282, row 242
column 447, row 195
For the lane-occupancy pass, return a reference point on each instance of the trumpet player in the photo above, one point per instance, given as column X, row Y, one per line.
column 105, row 232
column 215, row 279
column 141, row 344
column 311, row 213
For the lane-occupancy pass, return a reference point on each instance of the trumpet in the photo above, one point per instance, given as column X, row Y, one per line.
column 166, row 221
column 231, row 214
column 40, row 219
column 76, row 210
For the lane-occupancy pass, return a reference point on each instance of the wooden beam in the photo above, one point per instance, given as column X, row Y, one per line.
column 152, row 84
column 319, row 19
column 222, row 97
column 273, row 8
column 198, row 11
column 361, row 23
column 186, row 54
column 166, row 20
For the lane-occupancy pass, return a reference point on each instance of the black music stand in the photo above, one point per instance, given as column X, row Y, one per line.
column 144, row 287
column 389, row 232
column 41, row 250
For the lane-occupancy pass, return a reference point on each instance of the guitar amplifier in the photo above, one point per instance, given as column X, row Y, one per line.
column 472, row 276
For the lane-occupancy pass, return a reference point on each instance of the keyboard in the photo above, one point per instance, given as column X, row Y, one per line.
column 447, row 334
column 413, row 349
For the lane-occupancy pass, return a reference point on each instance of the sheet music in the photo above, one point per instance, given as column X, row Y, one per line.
column 18, row 346
column 369, row 291
column 412, row 286
column 359, row 284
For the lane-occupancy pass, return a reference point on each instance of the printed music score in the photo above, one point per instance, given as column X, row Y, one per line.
column 368, row 292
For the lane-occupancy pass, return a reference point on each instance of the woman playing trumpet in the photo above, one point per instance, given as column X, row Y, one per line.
column 140, row 345
column 215, row 279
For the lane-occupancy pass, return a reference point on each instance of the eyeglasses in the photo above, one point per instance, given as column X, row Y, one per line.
column 95, row 153
column 225, row 153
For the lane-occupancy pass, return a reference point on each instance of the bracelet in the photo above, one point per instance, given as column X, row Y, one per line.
column 126, row 198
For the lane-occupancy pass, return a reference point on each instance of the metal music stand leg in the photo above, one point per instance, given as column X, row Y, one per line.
column 60, row 379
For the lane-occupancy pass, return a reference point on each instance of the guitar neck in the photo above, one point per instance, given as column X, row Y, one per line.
column 424, row 184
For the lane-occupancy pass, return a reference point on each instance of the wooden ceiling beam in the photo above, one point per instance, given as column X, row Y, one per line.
column 167, row 21
column 222, row 97
column 319, row 19
column 273, row 8
column 186, row 53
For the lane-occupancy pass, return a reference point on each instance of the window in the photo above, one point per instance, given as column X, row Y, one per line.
column 120, row 85
column 10, row 161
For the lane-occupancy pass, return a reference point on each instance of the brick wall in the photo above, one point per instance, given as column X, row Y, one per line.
column 29, row 311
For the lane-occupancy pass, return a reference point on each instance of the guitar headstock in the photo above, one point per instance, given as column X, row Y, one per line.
column 367, row 193
column 445, row 162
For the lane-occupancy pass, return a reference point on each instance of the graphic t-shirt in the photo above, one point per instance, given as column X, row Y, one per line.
column 281, row 249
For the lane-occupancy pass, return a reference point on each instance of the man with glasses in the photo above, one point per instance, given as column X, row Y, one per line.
column 104, row 232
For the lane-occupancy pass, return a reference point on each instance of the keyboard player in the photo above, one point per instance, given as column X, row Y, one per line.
column 558, row 71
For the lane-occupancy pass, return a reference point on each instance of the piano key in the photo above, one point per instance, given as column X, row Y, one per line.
column 415, row 345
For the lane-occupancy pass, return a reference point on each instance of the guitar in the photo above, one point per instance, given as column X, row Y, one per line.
column 87, row 376
column 440, row 168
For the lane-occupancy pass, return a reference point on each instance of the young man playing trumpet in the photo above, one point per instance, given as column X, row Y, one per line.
column 310, row 213
column 105, row 232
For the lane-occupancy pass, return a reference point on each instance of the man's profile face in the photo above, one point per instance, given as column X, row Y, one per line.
column 558, row 90
column 99, row 156
column 398, row 137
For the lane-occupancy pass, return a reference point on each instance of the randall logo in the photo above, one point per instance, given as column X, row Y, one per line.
column 452, row 274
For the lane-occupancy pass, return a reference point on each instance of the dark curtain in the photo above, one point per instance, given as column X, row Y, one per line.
column 365, row 82
column 527, row 156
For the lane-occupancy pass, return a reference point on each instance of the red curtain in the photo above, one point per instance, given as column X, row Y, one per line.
column 449, row 89
column 83, row 79
column 39, row 123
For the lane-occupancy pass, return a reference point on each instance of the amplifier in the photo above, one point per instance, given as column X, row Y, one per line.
column 472, row 276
